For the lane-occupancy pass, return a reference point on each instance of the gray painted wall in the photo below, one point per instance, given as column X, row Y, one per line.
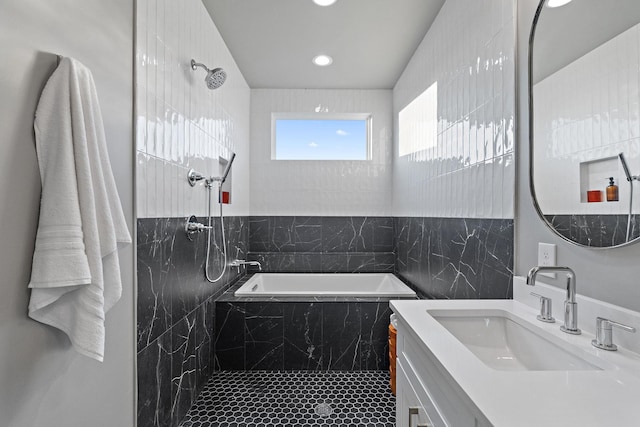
column 43, row 382
column 606, row 274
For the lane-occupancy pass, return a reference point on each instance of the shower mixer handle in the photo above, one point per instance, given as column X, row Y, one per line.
column 193, row 227
column 193, row 177
column 196, row 226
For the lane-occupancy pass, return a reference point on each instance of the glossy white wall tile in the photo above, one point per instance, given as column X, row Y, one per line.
column 586, row 124
column 286, row 187
column 467, row 171
column 180, row 124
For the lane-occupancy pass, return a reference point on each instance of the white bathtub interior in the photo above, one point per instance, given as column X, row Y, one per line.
column 325, row 284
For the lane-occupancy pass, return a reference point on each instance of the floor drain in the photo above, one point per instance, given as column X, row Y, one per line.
column 324, row 409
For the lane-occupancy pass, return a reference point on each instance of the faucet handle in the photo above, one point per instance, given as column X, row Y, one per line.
column 545, row 309
column 237, row 263
column 604, row 333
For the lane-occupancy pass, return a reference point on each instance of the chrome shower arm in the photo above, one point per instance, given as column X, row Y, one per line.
column 195, row 65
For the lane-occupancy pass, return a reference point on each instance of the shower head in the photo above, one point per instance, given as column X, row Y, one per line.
column 228, row 168
column 625, row 167
column 215, row 78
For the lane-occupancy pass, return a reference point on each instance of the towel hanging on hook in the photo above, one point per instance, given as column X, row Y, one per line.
column 75, row 275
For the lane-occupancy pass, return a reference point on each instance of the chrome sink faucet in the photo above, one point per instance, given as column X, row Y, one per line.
column 570, row 305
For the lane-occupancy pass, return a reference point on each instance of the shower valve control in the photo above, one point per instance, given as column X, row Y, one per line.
column 192, row 227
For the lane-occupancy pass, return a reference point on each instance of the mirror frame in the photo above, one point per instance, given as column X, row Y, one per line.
column 531, row 142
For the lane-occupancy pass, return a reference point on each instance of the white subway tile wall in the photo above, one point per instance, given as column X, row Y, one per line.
column 588, row 112
column 470, row 172
column 310, row 187
column 180, row 124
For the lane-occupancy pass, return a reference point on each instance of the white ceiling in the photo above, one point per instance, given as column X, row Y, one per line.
column 274, row 41
column 566, row 33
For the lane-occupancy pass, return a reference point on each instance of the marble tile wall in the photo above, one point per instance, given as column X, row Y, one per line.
column 314, row 244
column 456, row 258
column 596, row 230
column 176, row 314
column 345, row 335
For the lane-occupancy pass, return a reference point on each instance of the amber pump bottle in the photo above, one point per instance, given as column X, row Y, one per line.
column 612, row 191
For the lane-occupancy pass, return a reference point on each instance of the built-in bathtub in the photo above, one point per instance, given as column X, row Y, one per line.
column 365, row 285
column 293, row 321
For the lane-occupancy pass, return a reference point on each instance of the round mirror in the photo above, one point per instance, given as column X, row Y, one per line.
column 584, row 106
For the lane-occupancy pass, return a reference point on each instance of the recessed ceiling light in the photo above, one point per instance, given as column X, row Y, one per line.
column 322, row 60
column 557, row 3
column 324, row 2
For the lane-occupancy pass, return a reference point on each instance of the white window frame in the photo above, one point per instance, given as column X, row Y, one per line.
column 367, row 117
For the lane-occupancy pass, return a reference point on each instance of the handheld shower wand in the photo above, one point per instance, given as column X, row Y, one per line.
column 227, row 168
column 222, row 178
column 626, row 168
column 630, row 178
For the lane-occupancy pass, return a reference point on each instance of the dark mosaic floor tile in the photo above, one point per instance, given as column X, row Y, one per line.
column 293, row 398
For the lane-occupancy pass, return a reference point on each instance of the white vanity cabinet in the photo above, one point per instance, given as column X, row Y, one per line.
column 425, row 395
column 409, row 408
column 457, row 376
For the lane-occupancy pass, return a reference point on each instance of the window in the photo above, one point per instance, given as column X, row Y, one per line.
column 321, row 137
column 418, row 123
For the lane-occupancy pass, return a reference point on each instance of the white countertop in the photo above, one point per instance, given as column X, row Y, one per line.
column 603, row 398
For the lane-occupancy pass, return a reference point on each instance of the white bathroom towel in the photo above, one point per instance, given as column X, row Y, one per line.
column 75, row 276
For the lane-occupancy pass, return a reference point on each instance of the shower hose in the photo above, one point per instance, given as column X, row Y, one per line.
column 224, row 243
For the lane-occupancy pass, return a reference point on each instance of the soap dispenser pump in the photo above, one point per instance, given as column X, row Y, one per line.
column 612, row 191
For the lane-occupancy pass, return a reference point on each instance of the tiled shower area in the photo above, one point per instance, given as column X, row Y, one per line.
column 440, row 218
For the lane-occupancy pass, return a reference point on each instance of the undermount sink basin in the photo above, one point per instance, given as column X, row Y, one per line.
column 505, row 342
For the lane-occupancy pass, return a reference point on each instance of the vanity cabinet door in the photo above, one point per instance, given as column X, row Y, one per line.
column 409, row 410
column 443, row 401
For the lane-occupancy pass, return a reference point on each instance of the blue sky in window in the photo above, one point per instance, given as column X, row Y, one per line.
column 321, row 139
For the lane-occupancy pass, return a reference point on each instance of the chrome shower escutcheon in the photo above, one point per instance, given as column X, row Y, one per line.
column 193, row 227
column 193, row 177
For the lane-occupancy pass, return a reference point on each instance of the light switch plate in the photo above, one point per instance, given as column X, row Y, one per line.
column 547, row 257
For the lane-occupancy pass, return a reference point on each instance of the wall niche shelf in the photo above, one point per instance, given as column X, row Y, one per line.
column 594, row 175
